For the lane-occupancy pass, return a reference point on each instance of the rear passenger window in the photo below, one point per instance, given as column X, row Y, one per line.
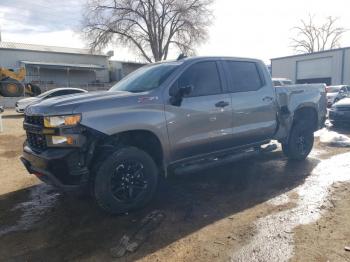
column 204, row 77
column 244, row 76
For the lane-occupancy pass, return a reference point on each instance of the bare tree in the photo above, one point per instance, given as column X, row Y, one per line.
column 151, row 27
column 313, row 38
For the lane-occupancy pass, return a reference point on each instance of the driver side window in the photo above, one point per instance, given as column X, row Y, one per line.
column 203, row 77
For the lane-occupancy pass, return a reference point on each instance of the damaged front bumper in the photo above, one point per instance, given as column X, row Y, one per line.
column 61, row 167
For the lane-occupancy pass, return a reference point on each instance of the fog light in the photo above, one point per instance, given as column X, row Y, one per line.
column 70, row 140
column 67, row 140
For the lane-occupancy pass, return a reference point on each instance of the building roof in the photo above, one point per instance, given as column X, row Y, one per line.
column 128, row 62
column 314, row 53
column 64, row 65
column 45, row 48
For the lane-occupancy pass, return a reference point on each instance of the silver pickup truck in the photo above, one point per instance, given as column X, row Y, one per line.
column 169, row 117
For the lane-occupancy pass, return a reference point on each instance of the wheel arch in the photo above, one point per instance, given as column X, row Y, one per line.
column 307, row 113
column 143, row 139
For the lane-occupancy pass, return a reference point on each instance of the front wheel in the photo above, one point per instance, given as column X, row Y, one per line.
column 11, row 88
column 125, row 181
column 300, row 143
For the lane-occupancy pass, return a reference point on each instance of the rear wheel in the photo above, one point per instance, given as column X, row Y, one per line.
column 11, row 88
column 300, row 143
column 125, row 181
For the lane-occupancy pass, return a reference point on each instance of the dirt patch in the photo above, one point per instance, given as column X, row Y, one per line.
column 13, row 175
column 325, row 239
column 11, row 142
column 9, row 154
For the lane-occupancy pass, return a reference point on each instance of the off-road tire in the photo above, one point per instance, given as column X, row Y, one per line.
column 301, row 133
column 11, row 88
column 103, row 193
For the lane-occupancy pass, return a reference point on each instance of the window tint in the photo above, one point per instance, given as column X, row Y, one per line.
column 69, row 92
column 59, row 93
column 245, row 76
column 204, row 77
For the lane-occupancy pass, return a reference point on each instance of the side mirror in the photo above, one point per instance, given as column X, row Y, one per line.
column 186, row 90
column 177, row 93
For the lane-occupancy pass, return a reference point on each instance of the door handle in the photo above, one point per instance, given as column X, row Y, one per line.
column 267, row 99
column 222, row 104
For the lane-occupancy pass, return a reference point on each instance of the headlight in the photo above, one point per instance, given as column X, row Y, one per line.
column 57, row 121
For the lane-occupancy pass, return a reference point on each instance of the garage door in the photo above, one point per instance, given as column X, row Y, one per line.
column 315, row 68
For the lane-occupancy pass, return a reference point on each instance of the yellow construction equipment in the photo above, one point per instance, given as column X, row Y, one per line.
column 11, row 83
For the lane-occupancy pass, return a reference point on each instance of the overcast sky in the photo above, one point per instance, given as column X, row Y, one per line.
column 249, row 28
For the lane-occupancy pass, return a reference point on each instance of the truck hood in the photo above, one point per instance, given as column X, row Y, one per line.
column 71, row 103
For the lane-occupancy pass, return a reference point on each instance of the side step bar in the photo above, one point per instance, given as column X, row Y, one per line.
column 220, row 160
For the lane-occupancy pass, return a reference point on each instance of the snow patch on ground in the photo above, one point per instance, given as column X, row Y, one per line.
column 40, row 200
column 332, row 138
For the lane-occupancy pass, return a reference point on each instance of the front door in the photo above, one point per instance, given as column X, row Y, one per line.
column 203, row 122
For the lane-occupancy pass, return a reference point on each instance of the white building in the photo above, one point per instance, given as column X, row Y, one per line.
column 56, row 66
column 331, row 67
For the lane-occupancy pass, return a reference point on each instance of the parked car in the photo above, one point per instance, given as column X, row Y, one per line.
column 339, row 113
column 168, row 117
column 336, row 93
column 23, row 103
column 281, row 82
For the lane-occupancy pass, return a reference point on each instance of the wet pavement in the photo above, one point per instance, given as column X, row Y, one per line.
column 245, row 211
column 277, row 229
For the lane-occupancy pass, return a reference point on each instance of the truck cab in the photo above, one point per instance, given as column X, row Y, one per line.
column 169, row 117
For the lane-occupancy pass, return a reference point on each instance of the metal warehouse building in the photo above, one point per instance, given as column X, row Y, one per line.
column 56, row 66
column 331, row 67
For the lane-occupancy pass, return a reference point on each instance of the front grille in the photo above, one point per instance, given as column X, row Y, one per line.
column 343, row 108
column 35, row 140
column 34, row 120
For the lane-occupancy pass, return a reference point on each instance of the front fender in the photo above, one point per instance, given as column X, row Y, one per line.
column 112, row 121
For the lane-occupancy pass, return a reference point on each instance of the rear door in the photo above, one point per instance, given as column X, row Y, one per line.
column 253, row 102
column 203, row 122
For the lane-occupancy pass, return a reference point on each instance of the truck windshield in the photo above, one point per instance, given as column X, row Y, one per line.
column 146, row 78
